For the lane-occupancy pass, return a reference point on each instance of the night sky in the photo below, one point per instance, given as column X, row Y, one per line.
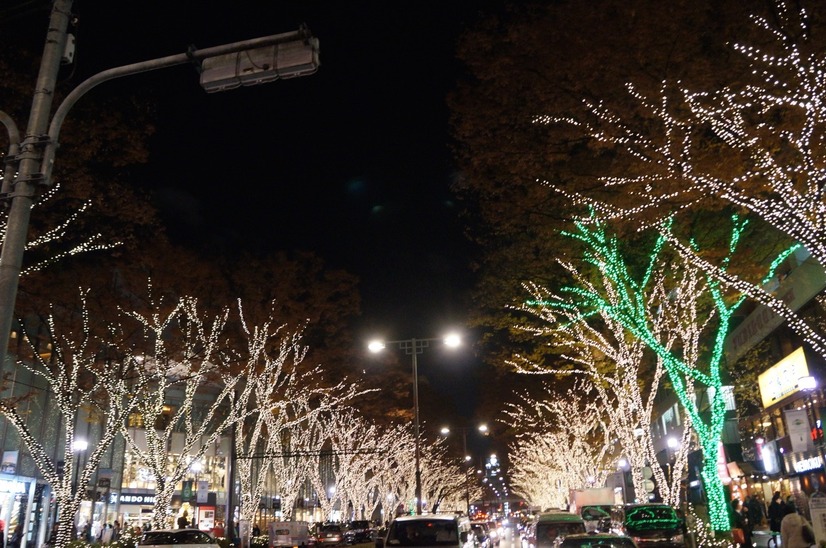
column 352, row 162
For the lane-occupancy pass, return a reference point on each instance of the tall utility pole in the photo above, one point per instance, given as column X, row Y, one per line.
column 30, row 161
column 22, row 191
column 245, row 63
column 414, row 347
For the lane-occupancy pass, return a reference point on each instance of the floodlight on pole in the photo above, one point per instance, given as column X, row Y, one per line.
column 414, row 347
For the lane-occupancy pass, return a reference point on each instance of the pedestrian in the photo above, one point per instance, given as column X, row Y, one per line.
column 256, row 531
column 115, row 531
column 795, row 530
column 16, row 537
column 776, row 512
column 741, row 532
column 183, row 520
column 2, row 533
column 755, row 510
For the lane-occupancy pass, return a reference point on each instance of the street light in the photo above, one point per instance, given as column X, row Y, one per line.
column 482, row 429
column 284, row 55
column 414, row 347
column 78, row 446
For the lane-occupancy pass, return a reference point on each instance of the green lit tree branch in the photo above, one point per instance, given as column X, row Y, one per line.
column 695, row 306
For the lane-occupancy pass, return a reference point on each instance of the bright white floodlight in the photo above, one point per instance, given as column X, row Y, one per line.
column 445, row 430
column 452, row 340
column 80, row 445
column 375, row 346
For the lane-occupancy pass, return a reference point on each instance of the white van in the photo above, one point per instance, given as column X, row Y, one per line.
column 289, row 534
column 428, row 531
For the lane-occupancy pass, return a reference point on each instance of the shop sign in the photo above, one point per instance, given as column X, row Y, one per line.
column 807, row 464
column 800, row 436
column 768, row 454
column 7, row 486
column 781, row 379
column 203, row 491
column 9, row 463
column 817, row 507
column 129, row 498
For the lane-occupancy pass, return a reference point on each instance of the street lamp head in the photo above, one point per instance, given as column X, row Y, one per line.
column 445, row 430
column 672, row 443
column 375, row 346
column 483, row 428
column 452, row 340
column 80, row 445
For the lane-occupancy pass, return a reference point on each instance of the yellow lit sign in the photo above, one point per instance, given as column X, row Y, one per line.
column 783, row 378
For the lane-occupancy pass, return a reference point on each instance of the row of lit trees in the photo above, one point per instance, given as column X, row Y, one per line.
column 196, row 377
column 628, row 320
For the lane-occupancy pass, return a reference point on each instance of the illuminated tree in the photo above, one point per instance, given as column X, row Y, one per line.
column 697, row 308
column 575, row 423
column 442, row 477
column 765, row 155
column 396, row 479
column 274, row 440
column 198, row 387
column 535, row 479
column 616, row 374
column 88, row 379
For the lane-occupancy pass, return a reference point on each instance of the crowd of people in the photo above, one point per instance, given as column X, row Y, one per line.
column 784, row 521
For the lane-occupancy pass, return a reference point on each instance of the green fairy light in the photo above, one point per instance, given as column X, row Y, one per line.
column 631, row 305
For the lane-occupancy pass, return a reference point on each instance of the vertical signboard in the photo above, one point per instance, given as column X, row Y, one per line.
column 800, row 434
column 817, row 506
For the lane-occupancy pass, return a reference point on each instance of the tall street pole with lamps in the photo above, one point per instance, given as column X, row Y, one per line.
column 78, row 447
column 30, row 161
column 483, row 429
column 414, row 347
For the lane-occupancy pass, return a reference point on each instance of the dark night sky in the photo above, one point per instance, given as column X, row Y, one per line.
column 352, row 162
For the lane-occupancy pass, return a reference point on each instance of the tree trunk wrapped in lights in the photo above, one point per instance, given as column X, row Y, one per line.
column 83, row 372
column 621, row 378
column 287, row 400
column 201, row 386
column 442, row 477
column 697, row 309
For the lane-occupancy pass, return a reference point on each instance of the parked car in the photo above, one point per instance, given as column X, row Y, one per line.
column 330, row 534
column 597, row 540
column 596, row 518
column 286, row 534
column 428, row 531
column 358, row 531
column 654, row 524
column 495, row 531
column 527, row 535
column 482, row 533
column 548, row 527
column 169, row 538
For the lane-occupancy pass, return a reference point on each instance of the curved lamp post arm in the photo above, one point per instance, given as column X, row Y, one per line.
column 146, row 66
column 14, row 148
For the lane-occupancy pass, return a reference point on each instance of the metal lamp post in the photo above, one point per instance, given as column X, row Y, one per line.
column 222, row 67
column 78, row 446
column 483, row 429
column 414, row 347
